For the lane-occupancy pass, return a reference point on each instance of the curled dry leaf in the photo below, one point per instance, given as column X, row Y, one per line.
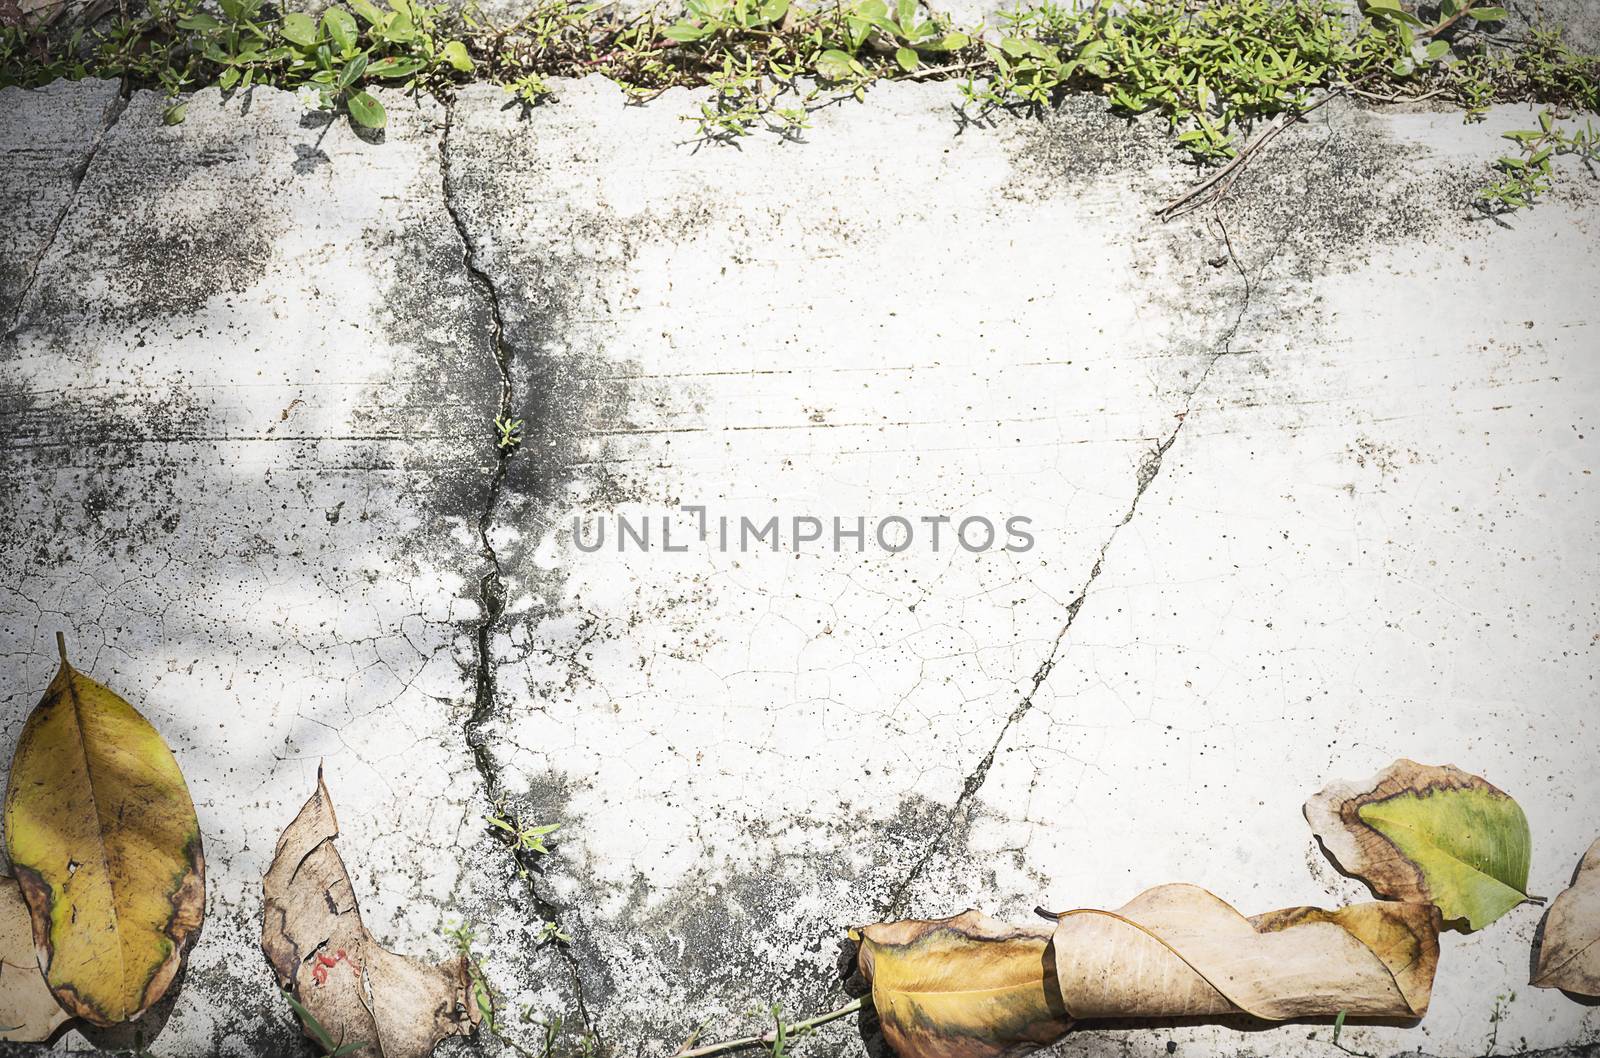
column 971, row 987
column 359, row 992
column 1422, row 833
column 28, row 1012
column 1179, row 951
column 106, row 847
column 1569, row 953
column 962, row 987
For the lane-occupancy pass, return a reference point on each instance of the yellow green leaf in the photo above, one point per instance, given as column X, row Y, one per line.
column 962, row 987
column 105, row 844
column 1424, row 833
column 455, row 53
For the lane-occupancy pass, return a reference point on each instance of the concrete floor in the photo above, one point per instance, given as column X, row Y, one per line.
column 1309, row 480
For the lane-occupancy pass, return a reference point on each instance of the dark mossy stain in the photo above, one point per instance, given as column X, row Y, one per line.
column 750, row 926
column 1320, row 196
column 1328, row 192
column 166, row 235
column 1082, row 142
column 442, row 396
column 101, row 473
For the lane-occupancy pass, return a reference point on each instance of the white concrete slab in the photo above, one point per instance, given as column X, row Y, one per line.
column 1306, row 484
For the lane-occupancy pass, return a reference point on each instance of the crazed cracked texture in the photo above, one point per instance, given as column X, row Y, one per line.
column 1307, row 476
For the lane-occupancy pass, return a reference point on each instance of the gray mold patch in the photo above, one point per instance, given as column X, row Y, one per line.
column 765, row 925
column 173, row 216
column 445, row 391
column 49, row 138
column 99, row 470
column 1081, row 142
column 1329, row 190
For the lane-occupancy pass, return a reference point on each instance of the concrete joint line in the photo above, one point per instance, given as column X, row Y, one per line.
column 112, row 114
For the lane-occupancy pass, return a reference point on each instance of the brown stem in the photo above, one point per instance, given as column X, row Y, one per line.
column 61, row 646
column 1218, row 183
column 767, row 1039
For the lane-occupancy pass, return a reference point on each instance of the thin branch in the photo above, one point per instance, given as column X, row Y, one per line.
column 1215, row 186
column 934, row 71
column 767, row 1039
column 1399, row 98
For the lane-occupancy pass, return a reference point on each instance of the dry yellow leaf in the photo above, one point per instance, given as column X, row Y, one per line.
column 361, row 995
column 28, row 1012
column 1179, row 951
column 962, row 987
column 1569, row 949
column 105, row 844
column 971, row 987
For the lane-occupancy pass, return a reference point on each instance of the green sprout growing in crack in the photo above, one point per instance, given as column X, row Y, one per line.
column 552, row 931
column 522, row 838
column 510, row 431
column 489, row 1005
column 1526, row 176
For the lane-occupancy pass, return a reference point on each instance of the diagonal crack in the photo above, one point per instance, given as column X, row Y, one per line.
column 492, row 586
column 961, row 811
column 108, row 120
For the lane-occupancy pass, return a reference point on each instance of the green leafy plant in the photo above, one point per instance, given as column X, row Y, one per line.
column 520, row 836
column 180, row 45
column 1528, row 175
column 1213, row 70
column 510, row 431
column 488, row 1005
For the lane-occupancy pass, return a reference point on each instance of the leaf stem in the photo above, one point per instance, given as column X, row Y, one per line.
column 61, row 645
column 767, row 1039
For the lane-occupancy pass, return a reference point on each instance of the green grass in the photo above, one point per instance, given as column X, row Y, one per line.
column 1213, row 70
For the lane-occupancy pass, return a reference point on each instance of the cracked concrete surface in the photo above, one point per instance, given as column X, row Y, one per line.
column 1309, row 478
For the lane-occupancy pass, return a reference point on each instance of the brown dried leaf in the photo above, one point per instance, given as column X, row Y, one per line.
column 359, row 992
column 962, row 987
column 28, row 1012
column 1179, row 951
column 1569, row 954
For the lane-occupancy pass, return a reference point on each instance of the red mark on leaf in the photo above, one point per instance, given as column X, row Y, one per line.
column 324, row 963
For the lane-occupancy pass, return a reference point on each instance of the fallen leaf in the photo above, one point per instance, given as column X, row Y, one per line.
column 1404, row 937
column 1422, row 833
column 1179, row 951
column 105, row 844
column 1569, row 954
column 962, row 987
column 361, row 994
column 28, row 1012
column 971, row 987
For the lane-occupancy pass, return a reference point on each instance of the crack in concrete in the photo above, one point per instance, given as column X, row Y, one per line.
column 966, row 802
column 108, row 121
column 491, row 586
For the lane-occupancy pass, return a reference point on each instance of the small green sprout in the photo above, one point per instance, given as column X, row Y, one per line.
column 519, row 836
column 510, row 431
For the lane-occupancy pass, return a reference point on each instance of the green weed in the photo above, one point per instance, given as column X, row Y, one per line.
column 509, row 431
column 1213, row 70
column 1528, row 175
